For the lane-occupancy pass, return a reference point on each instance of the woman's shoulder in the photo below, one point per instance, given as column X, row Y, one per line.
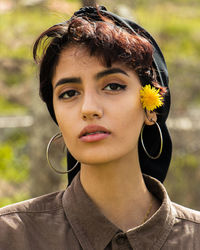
column 41, row 204
column 186, row 214
column 28, row 224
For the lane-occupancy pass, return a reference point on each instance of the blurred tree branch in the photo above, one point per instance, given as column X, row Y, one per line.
column 89, row 2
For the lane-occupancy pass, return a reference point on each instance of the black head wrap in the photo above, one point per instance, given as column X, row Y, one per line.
column 157, row 168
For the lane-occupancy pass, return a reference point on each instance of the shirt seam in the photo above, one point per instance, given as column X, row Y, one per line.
column 159, row 243
column 188, row 219
column 31, row 212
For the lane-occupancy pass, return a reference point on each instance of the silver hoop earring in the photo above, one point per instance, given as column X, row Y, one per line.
column 56, row 136
column 161, row 142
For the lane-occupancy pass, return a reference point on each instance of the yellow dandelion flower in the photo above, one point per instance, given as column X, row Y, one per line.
column 150, row 98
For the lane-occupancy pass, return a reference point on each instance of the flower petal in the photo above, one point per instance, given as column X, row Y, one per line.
column 150, row 98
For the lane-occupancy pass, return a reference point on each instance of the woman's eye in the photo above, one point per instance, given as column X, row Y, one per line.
column 114, row 87
column 68, row 94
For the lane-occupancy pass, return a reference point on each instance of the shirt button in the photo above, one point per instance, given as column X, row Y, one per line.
column 121, row 239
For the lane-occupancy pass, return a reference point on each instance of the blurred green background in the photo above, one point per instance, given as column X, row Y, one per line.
column 25, row 126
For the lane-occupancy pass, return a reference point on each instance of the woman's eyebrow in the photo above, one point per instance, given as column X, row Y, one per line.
column 68, row 80
column 110, row 71
column 98, row 76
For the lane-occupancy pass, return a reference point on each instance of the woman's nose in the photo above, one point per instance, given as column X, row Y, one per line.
column 91, row 107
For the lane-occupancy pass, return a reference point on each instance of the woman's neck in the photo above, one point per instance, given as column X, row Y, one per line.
column 119, row 191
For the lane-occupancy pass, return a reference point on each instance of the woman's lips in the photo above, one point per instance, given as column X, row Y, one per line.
column 93, row 133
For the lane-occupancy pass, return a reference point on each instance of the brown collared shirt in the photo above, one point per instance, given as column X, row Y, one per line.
column 69, row 220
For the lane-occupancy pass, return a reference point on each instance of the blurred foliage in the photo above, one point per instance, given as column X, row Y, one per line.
column 20, row 28
column 183, row 180
column 14, row 164
column 176, row 28
column 4, row 201
column 16, row 71
column 14, row 168
column 9, row 108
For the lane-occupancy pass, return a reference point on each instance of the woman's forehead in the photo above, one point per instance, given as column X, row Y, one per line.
column 74, row 51
column 80, row 55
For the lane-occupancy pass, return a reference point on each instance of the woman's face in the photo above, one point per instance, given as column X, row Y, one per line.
column 98, row 109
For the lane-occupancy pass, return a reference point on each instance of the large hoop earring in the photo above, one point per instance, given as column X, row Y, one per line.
column 161, row 142
column 56, row 136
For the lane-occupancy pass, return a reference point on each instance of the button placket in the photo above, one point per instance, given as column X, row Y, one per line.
column 120, row 238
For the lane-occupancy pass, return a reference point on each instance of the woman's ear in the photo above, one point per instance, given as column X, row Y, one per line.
column 150, row 118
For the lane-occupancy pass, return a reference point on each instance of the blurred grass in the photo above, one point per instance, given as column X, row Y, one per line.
column 9, row 108
column 175, row 27
column 14, row 168
column 21, row 27
column 13, row 199
column 183, row 180
column 14, row 164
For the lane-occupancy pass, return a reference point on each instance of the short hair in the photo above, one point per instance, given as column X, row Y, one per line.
column 103, row 38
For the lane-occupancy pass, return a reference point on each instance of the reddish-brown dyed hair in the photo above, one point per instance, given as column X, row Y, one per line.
column 102, row 38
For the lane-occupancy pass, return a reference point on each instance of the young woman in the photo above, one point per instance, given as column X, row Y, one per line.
column 105, row 83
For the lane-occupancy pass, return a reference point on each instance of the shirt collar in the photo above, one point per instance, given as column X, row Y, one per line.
column 154, row 232
column 94, row 231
